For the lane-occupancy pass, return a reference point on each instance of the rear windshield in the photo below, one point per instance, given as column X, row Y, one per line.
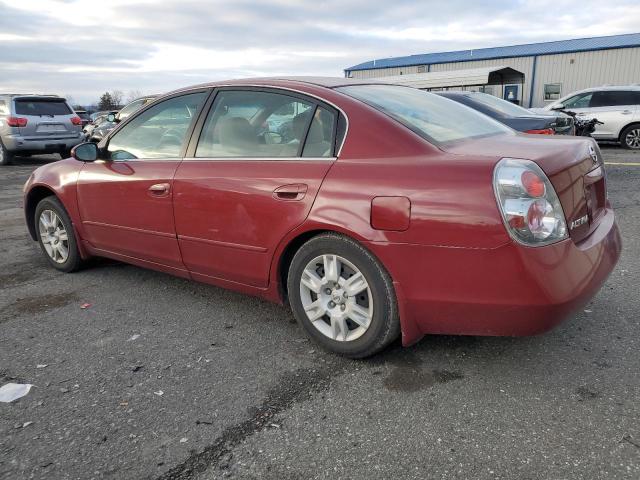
column 26, row 106
column 437, row 119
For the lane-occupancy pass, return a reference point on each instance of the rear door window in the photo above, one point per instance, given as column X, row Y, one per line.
column 321, row 136
column 257, row 124
column 613, row 98
column 25, row 106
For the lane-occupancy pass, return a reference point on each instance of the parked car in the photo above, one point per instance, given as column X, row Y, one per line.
column 35, row 124
column 391, row 211
column 84, row 116
column 104, row 128
column 514, row 116
column 96, row 122
column 101, row 113
column 618, row 108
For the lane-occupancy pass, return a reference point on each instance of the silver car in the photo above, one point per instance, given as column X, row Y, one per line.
column 34, row 124
column 617, row 107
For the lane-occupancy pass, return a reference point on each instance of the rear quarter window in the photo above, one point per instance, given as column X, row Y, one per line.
column 42, row 107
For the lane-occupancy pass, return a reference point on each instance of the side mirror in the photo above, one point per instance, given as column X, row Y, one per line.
column 112, row 118
column 558, row 106
column 85, row 152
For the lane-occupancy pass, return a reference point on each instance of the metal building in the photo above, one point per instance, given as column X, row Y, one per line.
column 551, row 69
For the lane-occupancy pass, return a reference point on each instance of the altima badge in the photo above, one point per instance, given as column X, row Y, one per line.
column 579, row 221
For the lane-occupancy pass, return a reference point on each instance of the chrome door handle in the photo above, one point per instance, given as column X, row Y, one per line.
column 626, row 112
column 159, row 189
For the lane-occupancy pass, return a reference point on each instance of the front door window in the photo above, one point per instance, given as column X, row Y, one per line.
column 159, row 132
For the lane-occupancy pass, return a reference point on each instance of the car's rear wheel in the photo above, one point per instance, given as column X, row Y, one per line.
column 630, row 137
column 55, row 235
column 6, row 157
column 342, row 296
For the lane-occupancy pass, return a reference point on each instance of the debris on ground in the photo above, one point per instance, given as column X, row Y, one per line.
column 42, row 365
column 13, row 391
column 183, row 440
column 84, row 306
column 159, row 393
column 133, row 337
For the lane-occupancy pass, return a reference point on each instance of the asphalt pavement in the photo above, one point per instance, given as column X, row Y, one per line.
column 161, row 378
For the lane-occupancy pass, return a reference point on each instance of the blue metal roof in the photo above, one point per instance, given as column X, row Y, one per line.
column 527, row 50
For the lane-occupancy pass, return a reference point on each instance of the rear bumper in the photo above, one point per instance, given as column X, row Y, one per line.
column 17, row 143
column 511, row 290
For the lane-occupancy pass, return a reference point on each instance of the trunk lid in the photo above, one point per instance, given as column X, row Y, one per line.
column 574, row 166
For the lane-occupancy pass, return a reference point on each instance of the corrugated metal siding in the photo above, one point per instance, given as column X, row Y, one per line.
column 385, row 72
column 589, row 69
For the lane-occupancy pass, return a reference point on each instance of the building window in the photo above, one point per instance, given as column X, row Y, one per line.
column 422, row 68
column 552, row 91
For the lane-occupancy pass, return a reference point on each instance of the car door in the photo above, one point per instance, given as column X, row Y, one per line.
column 250, row 177
column 614, row 108
column 125, row 199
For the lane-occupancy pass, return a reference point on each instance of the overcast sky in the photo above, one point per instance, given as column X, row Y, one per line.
column 82, row 48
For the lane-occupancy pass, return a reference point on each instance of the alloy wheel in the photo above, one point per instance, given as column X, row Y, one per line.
column 633, row 138
column 336, row 298
column 53, row 235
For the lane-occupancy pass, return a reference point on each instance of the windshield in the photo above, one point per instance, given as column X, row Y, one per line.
column 437, row 119
column 499, row 104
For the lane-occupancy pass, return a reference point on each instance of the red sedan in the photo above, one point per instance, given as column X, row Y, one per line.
column 375, row 210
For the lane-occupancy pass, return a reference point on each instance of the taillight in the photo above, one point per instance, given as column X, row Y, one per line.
column 76, row 120
column 16, row 122
column 544, row 131
column 530, row 208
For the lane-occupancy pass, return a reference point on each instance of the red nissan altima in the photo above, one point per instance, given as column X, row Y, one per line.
column 375, row 210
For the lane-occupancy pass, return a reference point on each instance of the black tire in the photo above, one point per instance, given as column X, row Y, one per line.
column 628, row 137
column 74, row 261
column 384, row 326
column 6, row 157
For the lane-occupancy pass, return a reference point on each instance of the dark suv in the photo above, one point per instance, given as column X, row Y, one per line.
column 35, row 124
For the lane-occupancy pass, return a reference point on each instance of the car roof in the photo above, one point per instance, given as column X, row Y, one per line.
column 39, row 95
column 607, row 88
column 287, row 81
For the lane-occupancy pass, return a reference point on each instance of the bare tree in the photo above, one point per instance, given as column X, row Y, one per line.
column 132, row 95
column 116, row 97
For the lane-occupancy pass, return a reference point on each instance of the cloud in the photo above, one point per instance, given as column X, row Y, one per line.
column 72, row 47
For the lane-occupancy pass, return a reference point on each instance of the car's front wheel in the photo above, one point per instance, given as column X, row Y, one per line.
column 6, row 157
column 630, row 137
column 342, row 296
column 55, row 235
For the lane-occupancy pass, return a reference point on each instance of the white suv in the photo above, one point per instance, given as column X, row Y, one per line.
column 617, row 107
